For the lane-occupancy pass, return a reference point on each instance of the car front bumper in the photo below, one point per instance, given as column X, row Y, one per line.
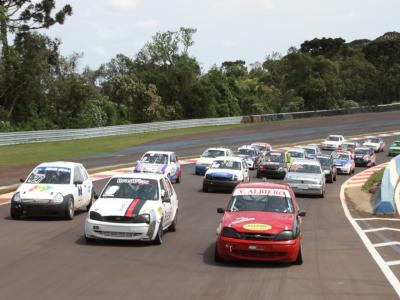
column 306, row 189
column 343, row 170
column 269, row 173
column 220, row 184
column 119, row 231
column 236, row 249
column 38, row 209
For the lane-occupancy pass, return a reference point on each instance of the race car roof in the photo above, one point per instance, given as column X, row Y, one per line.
column 160, row 152
column 296, row 149
column 60, row 164
column 266, row 185
column 218, row 148
column 307, row 162
column 233, row 158
column 140, row 176
column 246, row 147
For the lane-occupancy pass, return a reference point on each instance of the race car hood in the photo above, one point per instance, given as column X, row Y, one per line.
column 43, row 191
column 372, row 145
column 333, row 143
column 228, row 173
column 244, row 156
column 302, row 176
column 263, row 222
column 205, row 160
column 340, row 162
column 120, row 207
column 151, row 168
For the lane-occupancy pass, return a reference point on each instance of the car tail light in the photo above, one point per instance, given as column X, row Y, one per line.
column 261, row 167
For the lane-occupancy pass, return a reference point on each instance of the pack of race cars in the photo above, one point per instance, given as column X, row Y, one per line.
column 260, row 222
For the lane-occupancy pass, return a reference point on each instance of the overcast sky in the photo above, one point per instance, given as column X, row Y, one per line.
column 226, row 29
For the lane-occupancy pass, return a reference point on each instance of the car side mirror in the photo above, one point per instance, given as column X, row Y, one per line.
column 220, row 210
column 96, row 196
column 166, row 199
column 302, row 213
column 76, row 182
column 21, row 180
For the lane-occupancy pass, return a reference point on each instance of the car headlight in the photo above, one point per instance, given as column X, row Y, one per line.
column 366, row 157
column 231, row 233
column 280, row 169
column 285, row 235
column 17, row 197
column 235, row 178
column 59, row 198
column 143, row 218
column 95, row 216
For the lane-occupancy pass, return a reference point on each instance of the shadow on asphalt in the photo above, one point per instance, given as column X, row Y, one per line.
column 208, row 258
column 112, row 243
column 44, row 217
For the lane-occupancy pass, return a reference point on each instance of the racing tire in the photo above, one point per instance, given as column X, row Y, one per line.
column 217, row 257
column 69, row 209
column 205, row 188
column 322, row 195
column 178, row 179
column 174, row 224
column 15, row 215
column 159, row 239
column 299, row 259
column 91, row 202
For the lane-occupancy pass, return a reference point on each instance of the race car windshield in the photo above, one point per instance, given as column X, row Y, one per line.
column 296, row 154
column 348, row 146
column 274, row 157
column 396, row 144
column 305, row 168
column 226, row 164
column 131, row 188
column 280, row 204
column 249, row 152
column 361, row 151
column 155, row 158
column 373, row 141
column 260, row 147
column 333, row 138
column 50, row 175
column 341, row 156
column 213, row 153
column 310, row 151
column 326, row 162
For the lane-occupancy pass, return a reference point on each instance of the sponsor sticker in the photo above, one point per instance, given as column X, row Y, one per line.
column 261, row 191
column 133, row 181
column 257, row 227
column 41, row 188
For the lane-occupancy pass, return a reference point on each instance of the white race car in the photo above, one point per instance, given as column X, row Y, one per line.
column 133, row 207
column 376, row 143
column 333, row 142
column 206, row 159
column 226, row 173
column 53, row 188
column 160, row 162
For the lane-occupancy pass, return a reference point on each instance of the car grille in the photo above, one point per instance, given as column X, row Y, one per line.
column 119, row 219
column 118, row 234
column 38, row 201
column 302, row 181
column 271, row 167
column 257, row 236
column 219, row 178
column 260, row 254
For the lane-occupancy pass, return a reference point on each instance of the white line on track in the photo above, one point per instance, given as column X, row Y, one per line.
column 376, row 219
column 371, row 249
column 393, row 243
column 393, row 263
column 381, row 229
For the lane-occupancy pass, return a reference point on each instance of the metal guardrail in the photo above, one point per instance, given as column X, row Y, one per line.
column 12, row 138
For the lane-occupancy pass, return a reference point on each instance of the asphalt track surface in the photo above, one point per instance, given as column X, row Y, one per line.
column 276, row 133
column 49, row 258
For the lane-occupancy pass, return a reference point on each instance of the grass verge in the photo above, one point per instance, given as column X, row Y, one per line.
column 373, row 182
column 28, row 154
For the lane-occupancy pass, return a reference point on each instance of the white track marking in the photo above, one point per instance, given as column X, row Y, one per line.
column 393, row 263
column 376, row 219
column 371, row 249
column 381, row 229
column 393, row 243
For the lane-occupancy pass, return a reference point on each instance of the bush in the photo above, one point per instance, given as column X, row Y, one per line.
column 373, row 182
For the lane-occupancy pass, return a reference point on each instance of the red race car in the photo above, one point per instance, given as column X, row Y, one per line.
column 261, row 222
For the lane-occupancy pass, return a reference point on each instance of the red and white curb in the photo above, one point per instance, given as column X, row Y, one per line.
column 6, row 198
column 362, row 177
column 385, row 266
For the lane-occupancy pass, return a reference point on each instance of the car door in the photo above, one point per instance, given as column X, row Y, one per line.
column 166, row 202
column 245, row 172
column 87, row 186
column 174, row 165
column 174, row 199
column 78, row 187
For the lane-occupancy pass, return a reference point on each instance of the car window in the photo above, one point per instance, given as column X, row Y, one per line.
column 250, row 152
column 334, row 138
column 305, row 168
column 84, row 173
column 213, row 153
column 78, row 176
column 155, row 158
column 164, row 187
column 50, row 175
column 226, row 164
column 131, row 188
column 169, row 187
column 274, row 157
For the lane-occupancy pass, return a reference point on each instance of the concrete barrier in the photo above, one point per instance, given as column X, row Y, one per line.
column 385, row 201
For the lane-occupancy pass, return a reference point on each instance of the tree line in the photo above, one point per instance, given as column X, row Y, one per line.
column 41, row 89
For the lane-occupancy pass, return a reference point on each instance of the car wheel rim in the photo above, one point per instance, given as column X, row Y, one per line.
column 71, row 208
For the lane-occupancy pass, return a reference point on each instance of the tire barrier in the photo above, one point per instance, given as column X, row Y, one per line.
column 387, row 198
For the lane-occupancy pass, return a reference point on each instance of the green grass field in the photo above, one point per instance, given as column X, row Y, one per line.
column 26, row 154
column 374, row 180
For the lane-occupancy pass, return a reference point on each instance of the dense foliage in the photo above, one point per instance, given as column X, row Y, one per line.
column 41, row 89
